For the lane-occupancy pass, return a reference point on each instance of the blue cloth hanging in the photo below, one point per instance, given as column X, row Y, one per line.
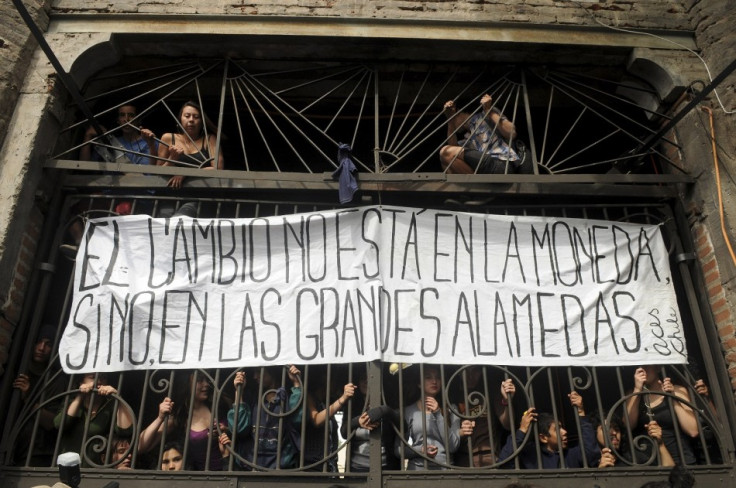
column 345, row 174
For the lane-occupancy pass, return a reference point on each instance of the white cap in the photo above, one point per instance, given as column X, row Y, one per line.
column 68, row 459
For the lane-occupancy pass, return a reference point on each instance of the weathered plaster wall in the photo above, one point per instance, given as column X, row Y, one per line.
column 650, row 14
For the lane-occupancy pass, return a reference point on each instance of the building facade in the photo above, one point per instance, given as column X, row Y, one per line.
column 624, row 109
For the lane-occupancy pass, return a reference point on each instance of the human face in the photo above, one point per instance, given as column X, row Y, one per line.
column 119, row 453
column 202, row 388
column 652, row 371
column 263, row 378
column 126, row 113
column 556, row 438
column 614, row 436
column 191, row 120
column 42, row 351
column 432, row 381
column 172, row 460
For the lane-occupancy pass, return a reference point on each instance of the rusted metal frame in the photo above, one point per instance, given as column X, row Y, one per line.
column 627, row 118
column 447, row 410
column 510, row 87
column 708, row 340
column 687, row 382
column 410, row 109
column 140, row 114
column 650, row 141
column 568, row 83
column 447, row 138
column 357, row 70
column 628, row 428
column 401, row 153
column 558, row 421
column 240, row 85
column 218, row 139
column 438, row 116
column 35, row 300
column 347, row 99
column 257, row 83
column 529, row 125
column 240, row 125
column 597, row 163
column 360, row 112
column 385, row 144
column 189, row 71
column 466, row 404
column 503, row 88
column 358, row 73
column 564, row 139
column 115, row 76
column 169, row 385
column 582, row 150
column 573, row 383
column 628, row 133
column 546, row 126
column 327, row 427
column 377, row 164
column 347, row 417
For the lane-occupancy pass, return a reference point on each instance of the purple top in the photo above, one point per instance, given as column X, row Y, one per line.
column 198, row 451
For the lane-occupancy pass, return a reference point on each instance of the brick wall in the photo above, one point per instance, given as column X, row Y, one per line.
column 17, row 283
column 714, row 21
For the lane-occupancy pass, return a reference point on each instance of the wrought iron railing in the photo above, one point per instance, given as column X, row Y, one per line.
column 283, row 116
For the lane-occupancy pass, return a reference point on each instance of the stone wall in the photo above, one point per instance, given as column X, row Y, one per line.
column 16, row 48
column 659, row 14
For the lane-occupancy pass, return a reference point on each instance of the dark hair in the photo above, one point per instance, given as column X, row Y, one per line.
column 544, row 422
column 206, row 122
column 681, row 477
column 596, row 421
column 173, row 445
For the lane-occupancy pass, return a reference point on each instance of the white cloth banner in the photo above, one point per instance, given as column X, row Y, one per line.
column 391, row 283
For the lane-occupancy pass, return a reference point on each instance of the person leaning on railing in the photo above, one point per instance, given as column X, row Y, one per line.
column 552, row 439
column 94, row 403
column 363, row 423
column 444, row 429
column 268, row 446
column 620, row 445
column 645, row 405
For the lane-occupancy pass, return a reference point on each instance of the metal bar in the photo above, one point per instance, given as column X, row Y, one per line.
column 650, row 141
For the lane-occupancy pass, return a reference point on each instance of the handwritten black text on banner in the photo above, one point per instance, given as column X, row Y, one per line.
column 391, row 283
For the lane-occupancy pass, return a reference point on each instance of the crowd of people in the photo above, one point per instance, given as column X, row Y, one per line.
column 278, row 417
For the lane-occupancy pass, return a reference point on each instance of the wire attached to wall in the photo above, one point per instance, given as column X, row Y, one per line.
column 721, row 212
column 629, row 31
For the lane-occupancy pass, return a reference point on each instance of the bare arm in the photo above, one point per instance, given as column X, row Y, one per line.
column 455, row 121
column 152, row 433
column 506, row 128
column 655, row 432
column 632, row 404
column 507, row 392
column 318, row 418
column 685, row 415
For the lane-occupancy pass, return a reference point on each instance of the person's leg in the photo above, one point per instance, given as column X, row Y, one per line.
column 452, row 156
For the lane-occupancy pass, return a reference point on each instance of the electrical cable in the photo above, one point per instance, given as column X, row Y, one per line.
column 629, row 31
column 718, row 185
